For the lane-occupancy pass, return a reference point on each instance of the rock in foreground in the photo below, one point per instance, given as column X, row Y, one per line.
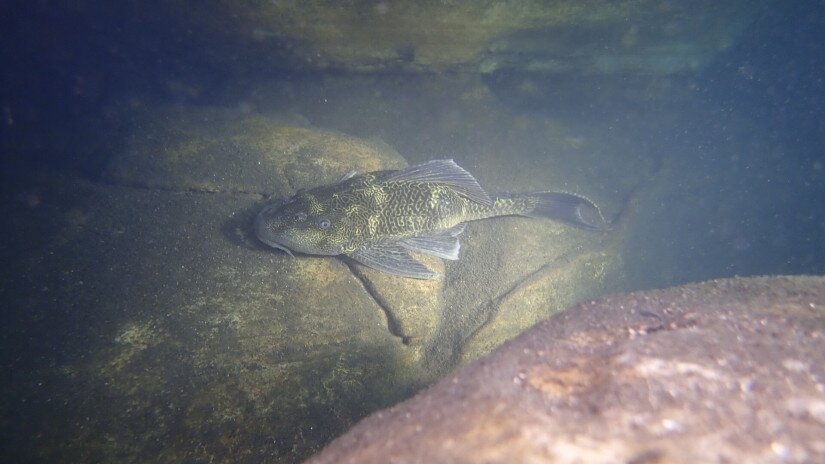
column 723, row 371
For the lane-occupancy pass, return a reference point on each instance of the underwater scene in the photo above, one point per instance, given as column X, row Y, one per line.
column 412, row 231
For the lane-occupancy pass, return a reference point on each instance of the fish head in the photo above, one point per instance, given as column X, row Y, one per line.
column 304, row 225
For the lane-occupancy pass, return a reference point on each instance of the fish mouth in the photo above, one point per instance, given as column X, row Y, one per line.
column 280, row 247
column 266, row 236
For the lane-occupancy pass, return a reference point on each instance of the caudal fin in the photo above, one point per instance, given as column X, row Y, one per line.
column 568, row 207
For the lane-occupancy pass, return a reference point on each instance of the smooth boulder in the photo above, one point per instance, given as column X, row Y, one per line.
column 727, row 370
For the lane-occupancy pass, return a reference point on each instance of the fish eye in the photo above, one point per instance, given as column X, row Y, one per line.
column 323, row 223
column 300, row 217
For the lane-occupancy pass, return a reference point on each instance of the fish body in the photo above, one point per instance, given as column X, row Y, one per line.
column 378, row 218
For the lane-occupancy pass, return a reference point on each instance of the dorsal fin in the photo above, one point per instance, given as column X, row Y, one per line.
column 444, row 172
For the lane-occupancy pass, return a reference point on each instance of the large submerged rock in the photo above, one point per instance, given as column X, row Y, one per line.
column 190, row 341
column 723, row 371
column 221, row 150
column 594, row 36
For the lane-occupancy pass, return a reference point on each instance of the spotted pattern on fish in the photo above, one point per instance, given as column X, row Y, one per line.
column 376, row 217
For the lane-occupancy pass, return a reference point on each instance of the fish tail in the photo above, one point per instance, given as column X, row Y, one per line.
column 560, row 206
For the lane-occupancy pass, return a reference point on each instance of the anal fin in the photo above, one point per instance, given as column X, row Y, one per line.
column 444, row 244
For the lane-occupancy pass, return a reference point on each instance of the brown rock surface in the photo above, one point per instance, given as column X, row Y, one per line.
column 723, row 371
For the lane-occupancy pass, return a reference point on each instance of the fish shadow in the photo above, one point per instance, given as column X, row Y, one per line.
column 239, row 231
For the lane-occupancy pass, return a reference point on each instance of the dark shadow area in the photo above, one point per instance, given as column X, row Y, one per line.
column 71, row 70
column 238, row 230
column 774, row 74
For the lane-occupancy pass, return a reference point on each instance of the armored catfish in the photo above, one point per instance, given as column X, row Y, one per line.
column 378, row 218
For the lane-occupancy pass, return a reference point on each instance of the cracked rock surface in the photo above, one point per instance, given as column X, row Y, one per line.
column 723, row 371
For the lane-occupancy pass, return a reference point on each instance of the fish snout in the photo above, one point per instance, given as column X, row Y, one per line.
column 266, row 233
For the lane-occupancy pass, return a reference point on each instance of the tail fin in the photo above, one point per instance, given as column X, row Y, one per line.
column 568, row 207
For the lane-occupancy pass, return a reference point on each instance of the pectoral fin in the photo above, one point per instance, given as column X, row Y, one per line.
column 392, row 259
column 444, row 244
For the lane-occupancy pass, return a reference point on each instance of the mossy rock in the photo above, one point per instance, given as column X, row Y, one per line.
column 192, row 344
column 217, row 150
